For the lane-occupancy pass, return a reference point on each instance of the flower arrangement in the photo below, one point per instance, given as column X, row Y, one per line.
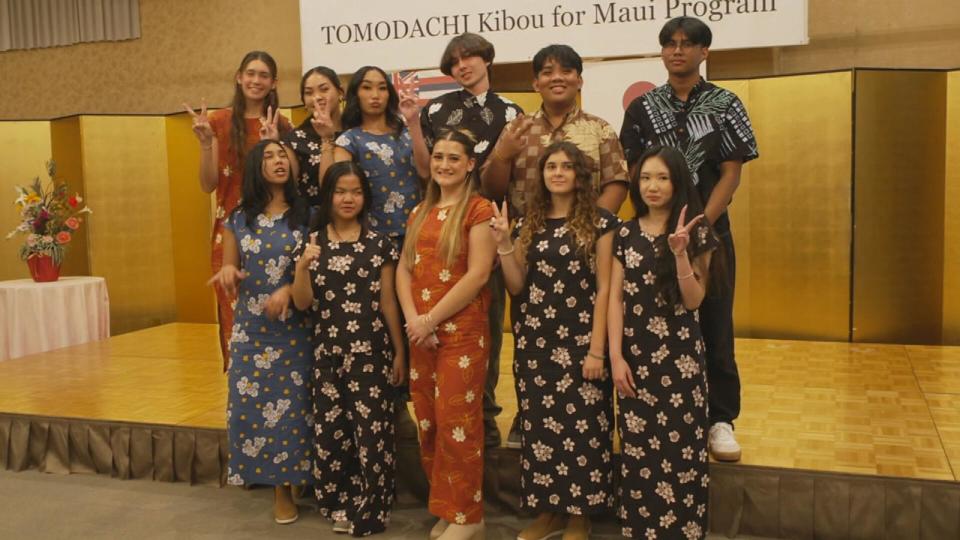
column 49, row 217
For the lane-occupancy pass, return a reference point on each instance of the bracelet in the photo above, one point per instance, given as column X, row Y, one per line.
column 597, row 356
column 498, row 155
column 428, row 319
column 678, row 253
column 327, row 141
column 507, row 252
column 688, row 276
column 206, row 147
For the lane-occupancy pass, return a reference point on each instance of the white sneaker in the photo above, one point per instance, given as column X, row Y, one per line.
column 723, row 445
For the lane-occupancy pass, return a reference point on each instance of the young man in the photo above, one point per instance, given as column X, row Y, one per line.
column 483, row 113
column 512, row 169
column 710, row 126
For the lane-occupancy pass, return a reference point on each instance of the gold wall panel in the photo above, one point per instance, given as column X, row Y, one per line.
column 24, row 151
column 125, row 172
column 951, row 215
column 190, row 220
column 899, row 208
column 66, row 149
column 791, row 214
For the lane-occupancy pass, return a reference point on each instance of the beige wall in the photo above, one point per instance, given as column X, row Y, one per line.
column 190, row 50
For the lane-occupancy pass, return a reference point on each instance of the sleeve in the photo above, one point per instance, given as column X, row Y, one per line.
column 702, row 240
column 613, row 166
column 426, row 124
column 479, row 212
column 738, row 142
column 231, row 223
column 284, row 126
column 220, row 124
column 348, row 141
column 631, row 133
column 607, row 222
column 619, row 238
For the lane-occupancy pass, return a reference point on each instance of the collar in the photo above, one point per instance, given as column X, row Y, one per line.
column 469, row 100
column 694, row 92
column 567, row 118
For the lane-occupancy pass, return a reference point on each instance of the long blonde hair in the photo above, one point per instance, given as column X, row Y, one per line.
column 582, row 222
column 450, row 232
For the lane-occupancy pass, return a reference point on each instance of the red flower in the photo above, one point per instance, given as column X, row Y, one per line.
column 73, row 223
column 73, row 201
column 63, row 237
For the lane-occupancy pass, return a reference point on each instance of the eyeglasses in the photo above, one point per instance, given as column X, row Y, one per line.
column 684, row 45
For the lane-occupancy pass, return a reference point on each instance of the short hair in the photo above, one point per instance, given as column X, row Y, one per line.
column 466, row 44
column 696, row 31
column 561, row 54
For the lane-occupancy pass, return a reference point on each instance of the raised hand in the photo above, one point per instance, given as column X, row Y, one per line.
column 500, row 226
column 680, row 238
column 268, row 125
column 201, row 124
column 409, row 106
column 321, row 121
column 513, row 138
column 227, row 279
column 311, row 252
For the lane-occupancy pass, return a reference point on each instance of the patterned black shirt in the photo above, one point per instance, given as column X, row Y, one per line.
column 306, row 144
column 709, row 128
column 485, row 116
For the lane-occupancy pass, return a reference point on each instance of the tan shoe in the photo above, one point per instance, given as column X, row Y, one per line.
column 473, row 531
column 578, row 528
column 284, row 509
column 547, row 525
column 438, row 528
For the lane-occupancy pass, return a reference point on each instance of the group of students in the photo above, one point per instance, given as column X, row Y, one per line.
column 371, row 246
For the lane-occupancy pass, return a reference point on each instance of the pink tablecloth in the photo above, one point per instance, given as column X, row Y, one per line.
column 38, row 317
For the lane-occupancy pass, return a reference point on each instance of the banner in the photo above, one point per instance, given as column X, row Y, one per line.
column 412, row 34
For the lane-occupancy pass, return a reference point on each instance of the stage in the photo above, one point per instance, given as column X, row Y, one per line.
column 827, row 429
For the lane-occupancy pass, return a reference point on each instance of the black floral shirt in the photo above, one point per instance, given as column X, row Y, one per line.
column 306, row 145
column 709, row 128
column 485, row 116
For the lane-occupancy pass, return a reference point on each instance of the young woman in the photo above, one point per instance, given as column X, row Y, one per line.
column 346, row 274
column 558, row 271
column 225, row 137
column 445, row 264
column 376, row 138
column 268, row 408
column 659, row 279
column 313, row 140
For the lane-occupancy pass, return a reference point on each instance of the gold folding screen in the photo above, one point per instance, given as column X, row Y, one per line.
column 951, row 215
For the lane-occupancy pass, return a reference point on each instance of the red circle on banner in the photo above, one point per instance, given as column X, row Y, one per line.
column 636, row 90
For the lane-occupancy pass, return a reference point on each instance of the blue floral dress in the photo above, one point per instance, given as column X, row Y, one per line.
column 269, row 420
column 388, row 162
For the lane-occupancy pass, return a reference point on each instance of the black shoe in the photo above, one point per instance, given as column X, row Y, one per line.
column 513, row 438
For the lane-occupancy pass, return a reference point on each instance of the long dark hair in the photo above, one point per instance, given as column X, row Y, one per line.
column 353, row 116
column 323, row 215
column 238, row 123
column 256, row 194
column 684, row 193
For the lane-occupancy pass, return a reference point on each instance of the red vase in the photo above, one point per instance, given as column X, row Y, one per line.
column 42, row 268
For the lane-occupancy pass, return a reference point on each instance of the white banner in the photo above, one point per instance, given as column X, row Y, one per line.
column 412, row 34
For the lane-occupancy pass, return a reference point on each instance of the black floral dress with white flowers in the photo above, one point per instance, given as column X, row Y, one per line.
column 566, row 421
column 663, row 431
column 352, row 397
column 307, row 146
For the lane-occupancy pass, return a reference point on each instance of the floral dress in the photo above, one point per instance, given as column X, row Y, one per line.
column 664, row 477
column 229, row 180
column 446, row 384
column 566, row 420
column 352, row 397
column 268, row 405
column 388, row 162
column 306, row 144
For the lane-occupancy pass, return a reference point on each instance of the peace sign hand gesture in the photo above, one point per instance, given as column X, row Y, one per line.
column 321, row 121
column 201, row 124
column 513, row 138
column 409, row 106
column 680, row 238
column 268, row 125
column 500, row 226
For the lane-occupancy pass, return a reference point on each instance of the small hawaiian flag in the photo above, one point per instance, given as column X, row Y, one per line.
column 425, row 84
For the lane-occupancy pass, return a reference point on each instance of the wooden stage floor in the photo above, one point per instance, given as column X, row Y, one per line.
column 887, row 410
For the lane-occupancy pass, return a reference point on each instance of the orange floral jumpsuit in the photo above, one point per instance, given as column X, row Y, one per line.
column 447, row 384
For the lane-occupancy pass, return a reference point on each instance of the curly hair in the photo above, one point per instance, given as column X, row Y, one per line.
column 582, row 221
